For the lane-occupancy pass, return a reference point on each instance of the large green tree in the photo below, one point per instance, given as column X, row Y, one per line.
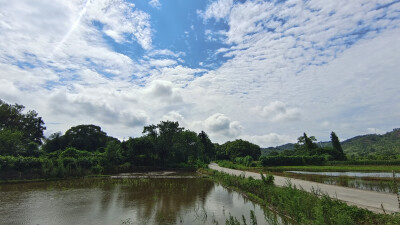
column 20, row 133
column 163, row 135
column 241, row 148
column 30, row 124
column 306, row 145
column 83, row 137
column 337, row 147
column 207, row 147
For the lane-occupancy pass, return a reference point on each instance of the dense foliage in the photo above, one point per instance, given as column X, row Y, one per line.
column 20, row 133
column 87, row 149
column 291, row 160
column 305, row 152
column 374, row 146
column 238, row 148
column 365, row 147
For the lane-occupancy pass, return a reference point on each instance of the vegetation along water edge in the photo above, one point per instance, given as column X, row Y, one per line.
column 298, row 206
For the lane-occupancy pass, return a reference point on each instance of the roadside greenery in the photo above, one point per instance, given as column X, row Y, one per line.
column 311, row 168
column 299, row 207
column 306, row 152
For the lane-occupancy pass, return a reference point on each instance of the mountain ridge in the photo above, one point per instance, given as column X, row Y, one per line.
column 370, row 146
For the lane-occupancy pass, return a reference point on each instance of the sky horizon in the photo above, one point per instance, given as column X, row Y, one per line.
column 262, row 71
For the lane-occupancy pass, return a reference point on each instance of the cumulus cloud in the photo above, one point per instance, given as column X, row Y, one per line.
column 338, row 60
column 163, row 91
column 269, row 140
column 221, row 124
column 277, row 111
column 103, row 108
column 175, row 116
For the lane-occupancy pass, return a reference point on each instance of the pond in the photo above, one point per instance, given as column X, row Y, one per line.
column 183, row 200
column 372, row 181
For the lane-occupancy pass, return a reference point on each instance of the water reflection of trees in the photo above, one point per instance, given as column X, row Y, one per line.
column 157, row 201
column 163, row 200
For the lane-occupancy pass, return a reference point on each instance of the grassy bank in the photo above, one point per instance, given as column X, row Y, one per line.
column 338, row 168
column 313, row 168
column 300, row 206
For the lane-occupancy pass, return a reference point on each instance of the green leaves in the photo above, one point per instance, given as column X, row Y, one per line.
column 19, row 130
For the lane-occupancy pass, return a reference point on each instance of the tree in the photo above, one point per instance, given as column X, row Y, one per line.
column 337, row 146
column 305, row 145
column 186, row 147
column 20, row 133
column 81, row 137
column 53, row 143
column 13, row 118
column 163, row 135
column 113, row 153
column 10, row 142
column 208, row 149
column 86, row 137
column 139, row 151
column 241, row 148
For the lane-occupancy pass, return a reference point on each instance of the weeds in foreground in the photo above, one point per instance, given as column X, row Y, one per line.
column 234, row 221
column 300, row 207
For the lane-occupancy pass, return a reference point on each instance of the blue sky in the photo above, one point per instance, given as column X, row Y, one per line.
column 264, row 71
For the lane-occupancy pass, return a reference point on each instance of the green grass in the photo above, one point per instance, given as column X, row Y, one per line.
column 299, row 207
column 341, row 168
column 332, row 168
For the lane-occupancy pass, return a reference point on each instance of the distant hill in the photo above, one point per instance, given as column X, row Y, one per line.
column 373, row 146
column 266, row 151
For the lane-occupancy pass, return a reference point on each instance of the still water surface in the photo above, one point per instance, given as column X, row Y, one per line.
column 123, row 201
column 372, row 181
column 349, row 174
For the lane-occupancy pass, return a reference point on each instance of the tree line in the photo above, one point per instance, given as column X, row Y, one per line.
column 306, row 152
column 87, row 149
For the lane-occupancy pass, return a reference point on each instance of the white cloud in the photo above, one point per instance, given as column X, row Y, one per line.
column 277, row 111
column 162, row 62
column 221, row 124
column 164, row 92
column 269, row 140
column 155, row 4
column 165, row 52
column 175, row 116
column 100, row 108
column 217, row 10
column 120, row 20
column 332, row 66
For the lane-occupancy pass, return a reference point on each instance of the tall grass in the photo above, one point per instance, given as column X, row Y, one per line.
column 302, row 207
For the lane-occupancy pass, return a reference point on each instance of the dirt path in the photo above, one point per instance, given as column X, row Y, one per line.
column 364, row 199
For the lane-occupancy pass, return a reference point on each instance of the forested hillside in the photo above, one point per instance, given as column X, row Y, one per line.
column 370, row 146
column 374, row 146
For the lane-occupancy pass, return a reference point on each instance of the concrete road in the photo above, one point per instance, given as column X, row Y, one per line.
column 364, row 199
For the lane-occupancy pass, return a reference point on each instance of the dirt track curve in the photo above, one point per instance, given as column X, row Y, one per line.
column 365, row 199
